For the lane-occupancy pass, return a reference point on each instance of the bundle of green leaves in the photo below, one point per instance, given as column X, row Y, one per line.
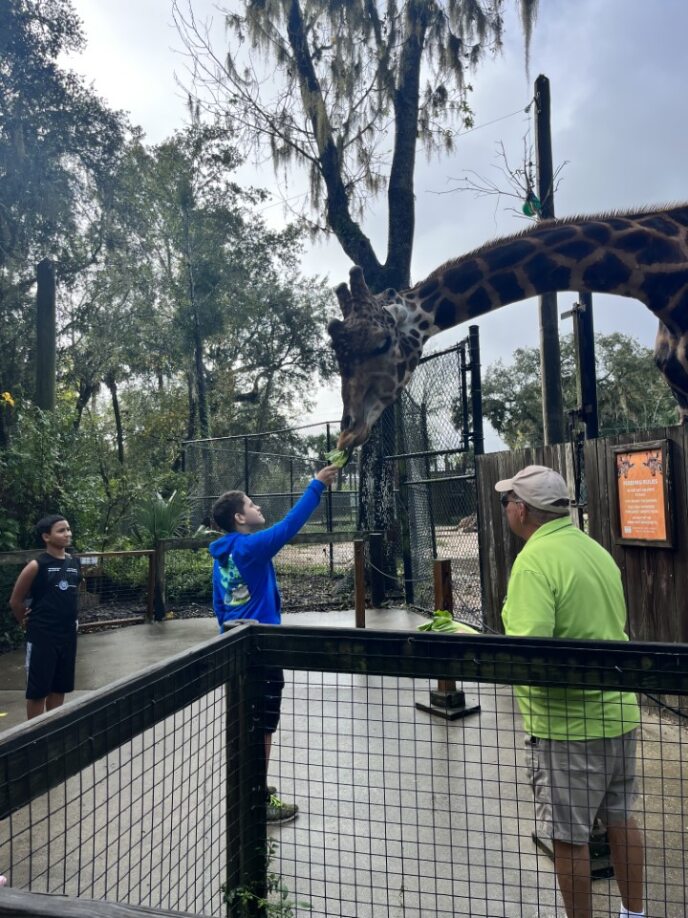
column 443, row 621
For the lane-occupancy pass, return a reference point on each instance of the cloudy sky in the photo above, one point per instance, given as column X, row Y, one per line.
column 618, row 71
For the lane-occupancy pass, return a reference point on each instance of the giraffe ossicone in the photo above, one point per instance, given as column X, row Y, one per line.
column 641, row 254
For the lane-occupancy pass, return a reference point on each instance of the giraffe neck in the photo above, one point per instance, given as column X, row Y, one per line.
column 642, row 255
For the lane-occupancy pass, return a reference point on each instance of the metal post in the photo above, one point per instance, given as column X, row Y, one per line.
column 463, row 378
column 428, row 476
column 584, row 338
column 476, row 390
column 402, row 511
column 550, row 358
column 329, row 517
column 359, row 583
column 246, row 466
column 246, row 802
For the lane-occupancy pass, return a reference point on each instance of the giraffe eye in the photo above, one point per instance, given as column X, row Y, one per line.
column 382, row 348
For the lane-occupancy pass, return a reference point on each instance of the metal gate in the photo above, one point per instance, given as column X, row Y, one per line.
column 438, row 432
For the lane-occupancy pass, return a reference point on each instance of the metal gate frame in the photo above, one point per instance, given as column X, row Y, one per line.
column 413, row 466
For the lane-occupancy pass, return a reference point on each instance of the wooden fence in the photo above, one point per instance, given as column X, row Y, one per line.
column 655, row 579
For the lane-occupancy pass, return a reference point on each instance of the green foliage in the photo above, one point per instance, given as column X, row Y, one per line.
column 52, row 466
column 344, row 79
column 43, row 472
column 443, row 621
column 630, row 392
column 278, row 903
column 157, row 518
column 59, row 147
column 189, row 576
column 9, row 531
column 11, row 635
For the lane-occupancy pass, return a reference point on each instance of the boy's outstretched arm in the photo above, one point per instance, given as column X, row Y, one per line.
column 267, row 543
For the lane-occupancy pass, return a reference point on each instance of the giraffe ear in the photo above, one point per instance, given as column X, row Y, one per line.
column 344, row 297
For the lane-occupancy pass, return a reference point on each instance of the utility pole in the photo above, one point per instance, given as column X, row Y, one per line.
column 550, row 358
column 46, row 337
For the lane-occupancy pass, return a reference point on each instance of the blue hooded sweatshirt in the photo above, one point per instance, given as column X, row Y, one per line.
column 244, row 581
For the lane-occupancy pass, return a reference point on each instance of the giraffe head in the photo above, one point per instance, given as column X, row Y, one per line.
column 377, row 350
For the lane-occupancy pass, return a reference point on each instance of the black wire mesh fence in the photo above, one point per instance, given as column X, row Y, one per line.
column 312, row 575
column 274, row 467
column 431, row 463
column 116, row 585
column 436, row 490
column 152, row 792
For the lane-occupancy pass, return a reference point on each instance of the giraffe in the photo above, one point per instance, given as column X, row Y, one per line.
column 641, row 254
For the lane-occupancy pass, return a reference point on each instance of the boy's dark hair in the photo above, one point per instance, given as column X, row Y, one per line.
column 44, row 525
column 225, row 507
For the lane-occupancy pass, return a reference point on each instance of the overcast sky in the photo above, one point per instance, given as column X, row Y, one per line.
column 618, row 71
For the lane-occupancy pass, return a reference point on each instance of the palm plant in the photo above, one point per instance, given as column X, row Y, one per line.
column 157, row 518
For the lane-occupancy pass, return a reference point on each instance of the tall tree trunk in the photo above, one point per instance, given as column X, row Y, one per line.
column 111, row 383
column 199, row 374
column 46, row 336
column 86, row 391
column 191, row 421
column 199, row 369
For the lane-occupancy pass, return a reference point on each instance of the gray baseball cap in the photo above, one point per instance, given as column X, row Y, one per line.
column 538, row 486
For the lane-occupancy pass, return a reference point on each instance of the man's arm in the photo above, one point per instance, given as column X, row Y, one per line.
column 21, row 590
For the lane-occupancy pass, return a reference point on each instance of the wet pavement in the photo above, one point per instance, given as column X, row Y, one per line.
column 105, row 656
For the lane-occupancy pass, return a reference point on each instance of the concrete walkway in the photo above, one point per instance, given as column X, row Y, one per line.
column 105, row 656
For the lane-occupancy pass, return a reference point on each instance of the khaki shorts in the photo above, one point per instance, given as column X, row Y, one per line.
column 575, row 781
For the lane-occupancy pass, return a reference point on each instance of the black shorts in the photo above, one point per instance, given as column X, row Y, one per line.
column 272, row 693
column 50, row 667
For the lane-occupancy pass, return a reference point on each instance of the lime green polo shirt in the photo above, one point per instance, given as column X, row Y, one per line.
column 565, row 585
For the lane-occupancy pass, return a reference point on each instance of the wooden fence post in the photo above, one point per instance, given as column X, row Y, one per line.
column 150, row 592
column 446, row 701
column 159, row 591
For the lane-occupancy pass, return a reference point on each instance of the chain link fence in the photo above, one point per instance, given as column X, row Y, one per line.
column 274, row 467
column 436, row 493
column 426, row 447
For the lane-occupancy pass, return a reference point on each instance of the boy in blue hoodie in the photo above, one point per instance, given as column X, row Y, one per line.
column 245, row 585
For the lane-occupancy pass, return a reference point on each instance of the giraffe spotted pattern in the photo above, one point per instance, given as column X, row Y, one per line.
column 642, row 255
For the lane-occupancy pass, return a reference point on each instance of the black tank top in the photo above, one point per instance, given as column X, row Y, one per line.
column 54, row 594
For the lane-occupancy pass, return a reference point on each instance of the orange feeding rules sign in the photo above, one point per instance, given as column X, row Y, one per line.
column 642, row 487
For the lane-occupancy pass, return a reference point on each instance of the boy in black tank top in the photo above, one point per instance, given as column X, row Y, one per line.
column 44, row 602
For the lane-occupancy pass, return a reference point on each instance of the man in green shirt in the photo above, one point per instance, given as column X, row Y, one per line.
column 581, row 742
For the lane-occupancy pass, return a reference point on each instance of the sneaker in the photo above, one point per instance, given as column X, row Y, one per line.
column 279, row 811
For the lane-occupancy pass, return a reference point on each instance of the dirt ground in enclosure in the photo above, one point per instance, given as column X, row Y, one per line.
column 451, row 543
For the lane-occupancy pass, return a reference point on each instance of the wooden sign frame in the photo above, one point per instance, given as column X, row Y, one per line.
column 642, row 494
